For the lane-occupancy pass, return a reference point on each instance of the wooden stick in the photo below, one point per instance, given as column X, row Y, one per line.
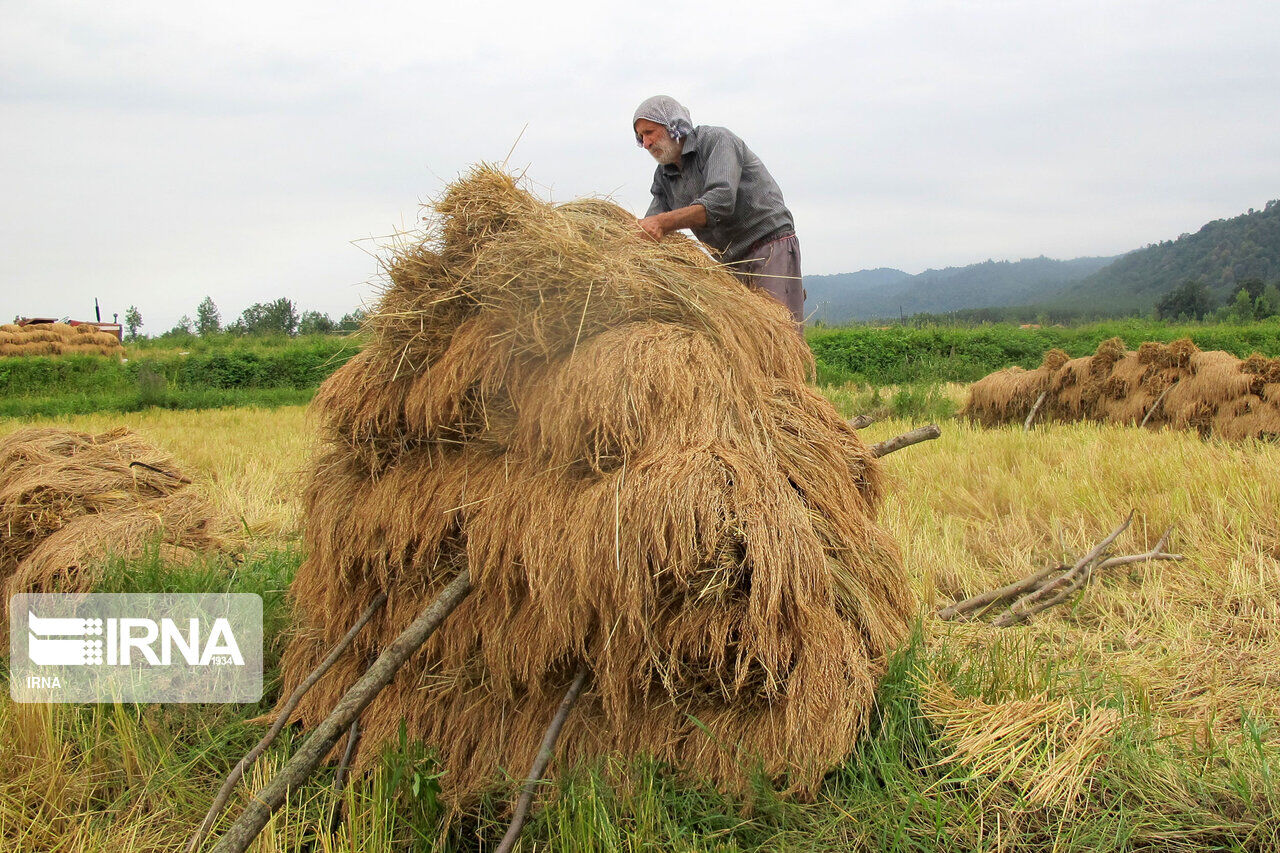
column 978, row 603
column 1042, row 599
column 541, row 761
column 1054, row 584
column 1105, row 543
column 1014, row 615
column 1151, row 411
column 1031, row 417
column 340, row 777
column 229, row 784
column 1071, row 580
column 178, row 477
column 1156, row 553
column 917, row 435
column 317, row 746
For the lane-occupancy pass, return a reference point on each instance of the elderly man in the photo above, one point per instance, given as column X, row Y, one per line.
column 709, row 180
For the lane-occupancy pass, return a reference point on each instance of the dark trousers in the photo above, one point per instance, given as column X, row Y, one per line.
column 774, row 267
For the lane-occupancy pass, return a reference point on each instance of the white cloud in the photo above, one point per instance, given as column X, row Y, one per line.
column 156, row 152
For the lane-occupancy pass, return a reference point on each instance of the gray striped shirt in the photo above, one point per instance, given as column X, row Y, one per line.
column 718, row 171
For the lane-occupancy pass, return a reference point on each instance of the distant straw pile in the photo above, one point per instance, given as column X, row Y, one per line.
column 616, row 438
column 57, row 339
column 69, row 498
column 1167, row 385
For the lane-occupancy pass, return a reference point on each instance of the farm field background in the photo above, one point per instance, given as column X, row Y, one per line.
column 1143, row 716
column 275, row 371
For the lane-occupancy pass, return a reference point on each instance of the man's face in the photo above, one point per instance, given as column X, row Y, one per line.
column 658, row 142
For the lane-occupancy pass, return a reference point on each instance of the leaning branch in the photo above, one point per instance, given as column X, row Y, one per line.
column 317, row 746
column 917, row 435
column 540, row 762
column 340, row 777
column 282, row 718
column 181, row 479
column 1031, row 416
column 1155, row 406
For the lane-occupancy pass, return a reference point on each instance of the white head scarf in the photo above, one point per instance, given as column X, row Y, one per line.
column 666, row 111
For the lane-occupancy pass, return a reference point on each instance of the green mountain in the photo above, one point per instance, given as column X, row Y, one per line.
column 1221, row 254
column 835, row 298
column 887, row 293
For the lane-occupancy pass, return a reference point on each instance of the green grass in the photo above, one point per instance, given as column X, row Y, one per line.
column 137, row 401
column 903, row 354
column 238, row 364
column 240, row 372
column 916, row 401
column 148, row 772
column 229, row 371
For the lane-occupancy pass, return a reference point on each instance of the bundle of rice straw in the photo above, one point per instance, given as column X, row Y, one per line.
column 1176, row 384
column 57, row 339
column 616, row 438
column 67, row 499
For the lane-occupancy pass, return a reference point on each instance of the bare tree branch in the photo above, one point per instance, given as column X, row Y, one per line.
column 540, row 762
column 321, row 741
column 1031, row 416
column 1154, row 406
column 917, row 435
column 1052, row 585
column 979, row 603
column 282, row 718
column 340, row 777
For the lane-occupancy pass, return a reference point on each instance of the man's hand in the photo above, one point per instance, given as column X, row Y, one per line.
column 652, row 227
column 661, row 224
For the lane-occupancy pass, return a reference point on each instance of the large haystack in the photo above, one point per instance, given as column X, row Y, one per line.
column 57, row 339
column 1164, row 385
column 67, row 499
column 616, row 438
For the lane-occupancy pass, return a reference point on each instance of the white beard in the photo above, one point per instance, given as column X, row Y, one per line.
column 668, row 151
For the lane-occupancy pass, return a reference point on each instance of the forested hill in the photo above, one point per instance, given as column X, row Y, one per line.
column 1221, row 254
column 884, row 293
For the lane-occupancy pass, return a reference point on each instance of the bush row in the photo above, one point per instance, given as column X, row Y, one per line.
column 899, row 354
column 881, row 356
column 300, row 365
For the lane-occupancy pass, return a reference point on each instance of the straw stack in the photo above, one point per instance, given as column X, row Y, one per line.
column 57, row 339
column 1166, row 385
column 67, row 499
column 616, row 439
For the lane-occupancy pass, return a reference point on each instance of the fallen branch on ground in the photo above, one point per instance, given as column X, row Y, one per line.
column 917, row 435
column 1053, row 585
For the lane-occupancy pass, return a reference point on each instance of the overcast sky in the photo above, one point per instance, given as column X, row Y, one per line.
column 153, row 153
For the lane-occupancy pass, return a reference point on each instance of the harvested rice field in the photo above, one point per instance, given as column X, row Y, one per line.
column 1141, row 715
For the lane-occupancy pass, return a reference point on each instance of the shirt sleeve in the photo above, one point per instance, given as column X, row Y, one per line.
column 659, row 203
column 721, row 174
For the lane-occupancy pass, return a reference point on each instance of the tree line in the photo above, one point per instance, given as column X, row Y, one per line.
column 1253, row 299
column 278, row 317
